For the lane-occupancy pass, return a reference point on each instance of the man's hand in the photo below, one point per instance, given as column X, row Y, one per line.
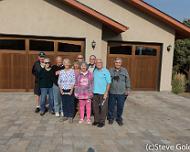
column 127, row 92
column 105, row 95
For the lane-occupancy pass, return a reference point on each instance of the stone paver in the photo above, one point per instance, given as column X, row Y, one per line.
column 150, row 118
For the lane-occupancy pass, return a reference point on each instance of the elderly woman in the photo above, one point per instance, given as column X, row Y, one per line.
column 46, row 87
column 76, row 67
column 84, row 91
column 66, row 82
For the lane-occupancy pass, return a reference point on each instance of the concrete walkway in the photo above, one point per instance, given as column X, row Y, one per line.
column 150, row 118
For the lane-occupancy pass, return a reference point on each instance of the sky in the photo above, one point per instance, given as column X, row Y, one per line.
column 179, row 9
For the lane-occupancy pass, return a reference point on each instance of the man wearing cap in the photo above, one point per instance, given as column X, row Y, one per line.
column 37, row 67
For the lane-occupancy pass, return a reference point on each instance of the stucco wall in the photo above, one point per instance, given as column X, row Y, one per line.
column 142, row 28
column 48, row 18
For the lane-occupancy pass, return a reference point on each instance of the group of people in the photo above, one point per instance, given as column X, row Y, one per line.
column 96, row 90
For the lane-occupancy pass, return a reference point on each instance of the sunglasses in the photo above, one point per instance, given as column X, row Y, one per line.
column 79, row 58
column 47, row 62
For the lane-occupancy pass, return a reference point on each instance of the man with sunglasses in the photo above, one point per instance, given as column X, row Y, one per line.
column 92, row 63
column 37, row 67
column 119, row 90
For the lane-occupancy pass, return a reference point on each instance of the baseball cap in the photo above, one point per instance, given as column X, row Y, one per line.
column 42, row 54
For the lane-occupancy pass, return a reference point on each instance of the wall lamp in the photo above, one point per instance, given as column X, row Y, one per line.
column 169, row 48
column 93, row 44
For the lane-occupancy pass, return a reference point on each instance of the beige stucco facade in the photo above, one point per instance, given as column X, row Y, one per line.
column 49, row 18
column 142, row 28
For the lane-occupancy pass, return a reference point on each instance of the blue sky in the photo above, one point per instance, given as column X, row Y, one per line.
column 179, row 9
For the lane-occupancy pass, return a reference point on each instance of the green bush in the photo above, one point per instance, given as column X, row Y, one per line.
column 178, row 83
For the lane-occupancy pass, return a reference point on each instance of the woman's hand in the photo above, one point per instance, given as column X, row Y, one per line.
column 57, row 72
column 61, row 91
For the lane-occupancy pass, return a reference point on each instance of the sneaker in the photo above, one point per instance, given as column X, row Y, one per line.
column 62, row 114
column 37, row 109
column 42, row 113
column 120, row 123
column 57, row 114
column 63, row 119
column 81, row 121
column 70, row 120
column 100, row 125
column 88, row 122
column 110, row 122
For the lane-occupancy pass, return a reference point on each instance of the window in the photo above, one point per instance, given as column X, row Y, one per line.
column 41, row 45
column 127, row 50
column 66, row 47
column 9, row 44
column 141, row 50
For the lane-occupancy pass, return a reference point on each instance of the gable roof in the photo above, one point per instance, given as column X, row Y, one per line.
column 182, row 31
column 117, row 27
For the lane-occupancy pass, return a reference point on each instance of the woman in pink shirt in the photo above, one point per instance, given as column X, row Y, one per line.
column 84, row 91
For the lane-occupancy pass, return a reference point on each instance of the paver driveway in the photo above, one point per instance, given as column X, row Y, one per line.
column 150, row 118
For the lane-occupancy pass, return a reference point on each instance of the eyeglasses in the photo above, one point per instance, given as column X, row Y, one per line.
column 47, row 62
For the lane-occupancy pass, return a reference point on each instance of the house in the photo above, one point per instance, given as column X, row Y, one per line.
column 140, row 34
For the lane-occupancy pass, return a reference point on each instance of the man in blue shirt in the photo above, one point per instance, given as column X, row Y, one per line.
column 102, row 80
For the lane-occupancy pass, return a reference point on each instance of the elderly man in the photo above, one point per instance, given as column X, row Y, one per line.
column 92, row 63
column 56, row 92
column 37, row 67
column 102, row 82
column 119, row 90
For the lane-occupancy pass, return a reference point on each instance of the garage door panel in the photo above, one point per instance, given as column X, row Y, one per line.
column 5, row 71
column 19, row 71
column 144, row 71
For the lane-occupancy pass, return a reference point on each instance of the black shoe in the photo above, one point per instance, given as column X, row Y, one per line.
column 63, row 119
column 37, row 109
column 95, row 123
column 120, row 123
column 100, row 125
column 42, row 113
column 52, row 112
column 110, row 122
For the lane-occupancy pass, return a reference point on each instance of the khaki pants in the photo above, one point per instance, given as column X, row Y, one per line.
column 100, row 113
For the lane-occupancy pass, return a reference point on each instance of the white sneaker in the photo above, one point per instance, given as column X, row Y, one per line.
column 88, row 122
column 62, row 114
column 57, row 114
column 81, row 121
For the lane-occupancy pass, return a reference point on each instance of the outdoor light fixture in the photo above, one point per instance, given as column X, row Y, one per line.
column 93, row 44
column 169, row 48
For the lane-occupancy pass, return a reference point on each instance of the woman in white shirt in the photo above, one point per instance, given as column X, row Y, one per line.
column 66, row 82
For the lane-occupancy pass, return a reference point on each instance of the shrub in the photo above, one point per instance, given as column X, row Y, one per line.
column 178, row 83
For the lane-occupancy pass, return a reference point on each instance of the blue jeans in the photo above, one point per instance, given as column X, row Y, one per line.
column 44, row 93
column 118, row 101
column 57, row 99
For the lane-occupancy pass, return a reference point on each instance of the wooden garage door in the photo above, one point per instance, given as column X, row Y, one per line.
column 141, row 60
column 17, row 56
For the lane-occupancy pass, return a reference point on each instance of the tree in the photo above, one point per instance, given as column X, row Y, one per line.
column 182, row 55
